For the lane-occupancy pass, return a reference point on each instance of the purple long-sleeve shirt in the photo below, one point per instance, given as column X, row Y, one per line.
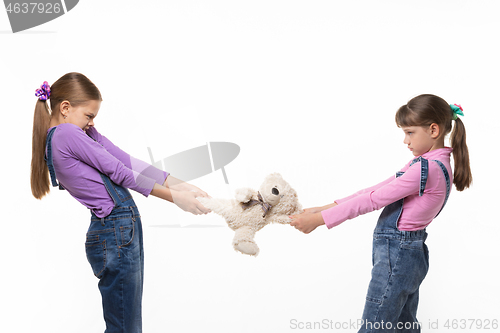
column 78, row 159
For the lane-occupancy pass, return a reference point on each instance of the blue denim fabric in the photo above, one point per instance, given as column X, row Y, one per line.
column 114, row 248
column 48, row 159
column 400, row 264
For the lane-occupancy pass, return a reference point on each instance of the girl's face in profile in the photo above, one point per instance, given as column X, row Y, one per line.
column 419, row 139
column 83, row 115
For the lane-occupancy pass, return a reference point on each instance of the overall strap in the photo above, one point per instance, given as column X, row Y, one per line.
column 48, row 159
column 389, row 217
column 424, row 172
column 111, row 189
column 448, row 184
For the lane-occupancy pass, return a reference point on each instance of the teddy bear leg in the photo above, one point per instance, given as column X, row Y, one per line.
column 243, row 241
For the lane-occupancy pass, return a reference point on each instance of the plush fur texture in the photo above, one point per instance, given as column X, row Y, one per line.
column 246, row 222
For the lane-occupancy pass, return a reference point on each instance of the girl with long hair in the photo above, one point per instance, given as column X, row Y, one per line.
column 69, row 149
column 412, row 200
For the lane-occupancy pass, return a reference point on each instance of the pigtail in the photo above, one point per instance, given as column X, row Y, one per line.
column 40, row 184
column 462, row 177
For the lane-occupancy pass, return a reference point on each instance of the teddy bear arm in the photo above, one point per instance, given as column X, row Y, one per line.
column 218, row 206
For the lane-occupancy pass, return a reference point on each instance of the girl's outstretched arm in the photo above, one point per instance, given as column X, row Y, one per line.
column 369, row 189
column 312, row 217
column 180, row 185
column 319, row 209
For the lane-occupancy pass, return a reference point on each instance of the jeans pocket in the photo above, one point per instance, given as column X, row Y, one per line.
column 127, row 232
column 96, row 254
column 413, row 245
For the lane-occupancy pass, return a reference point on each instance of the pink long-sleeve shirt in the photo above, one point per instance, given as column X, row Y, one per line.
column 78, row 159
column 418, row 211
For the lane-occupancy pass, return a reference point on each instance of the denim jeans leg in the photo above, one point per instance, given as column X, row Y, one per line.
column 381, row 286
column 121, row 279
column 139, row 234
column 408, row 316
column 399, row 269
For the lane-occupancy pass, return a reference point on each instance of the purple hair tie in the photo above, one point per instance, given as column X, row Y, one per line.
column 43, row 93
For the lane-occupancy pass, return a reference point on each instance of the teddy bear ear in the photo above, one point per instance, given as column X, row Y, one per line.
column 274, row 175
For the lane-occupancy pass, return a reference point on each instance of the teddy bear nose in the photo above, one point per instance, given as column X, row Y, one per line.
column 275, row 191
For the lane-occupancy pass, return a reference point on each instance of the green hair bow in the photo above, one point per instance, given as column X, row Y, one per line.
column 456, row 109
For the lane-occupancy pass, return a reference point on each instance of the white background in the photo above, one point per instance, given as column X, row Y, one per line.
column 308, row 89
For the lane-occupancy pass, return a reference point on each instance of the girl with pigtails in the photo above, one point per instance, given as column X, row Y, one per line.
column 412, row 199
column 77, row 158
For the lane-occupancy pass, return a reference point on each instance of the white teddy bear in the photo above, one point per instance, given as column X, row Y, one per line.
column 252, row 210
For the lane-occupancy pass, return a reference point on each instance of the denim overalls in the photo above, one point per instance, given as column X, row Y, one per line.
column 400, row 263
column 114, row 248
